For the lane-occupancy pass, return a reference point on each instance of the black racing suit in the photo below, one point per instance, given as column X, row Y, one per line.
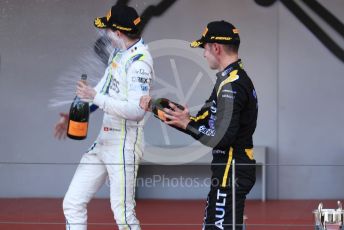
column 227, row 122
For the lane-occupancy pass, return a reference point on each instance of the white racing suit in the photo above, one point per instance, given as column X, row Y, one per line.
column 117, row 151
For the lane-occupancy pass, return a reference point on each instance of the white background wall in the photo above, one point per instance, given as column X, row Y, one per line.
column 298, row 81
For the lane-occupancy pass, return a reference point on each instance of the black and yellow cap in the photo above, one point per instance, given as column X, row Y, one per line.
column 221, row 32
column 120, row 17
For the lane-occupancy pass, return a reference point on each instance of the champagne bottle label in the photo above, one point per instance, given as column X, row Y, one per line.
column 78, row 129
column 161, row 115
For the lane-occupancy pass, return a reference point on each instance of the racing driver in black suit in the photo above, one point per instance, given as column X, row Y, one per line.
column 226, row 123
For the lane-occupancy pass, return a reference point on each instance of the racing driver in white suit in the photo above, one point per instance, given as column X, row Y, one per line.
column 117, row 151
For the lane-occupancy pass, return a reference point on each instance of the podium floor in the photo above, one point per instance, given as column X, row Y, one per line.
column 20, row 214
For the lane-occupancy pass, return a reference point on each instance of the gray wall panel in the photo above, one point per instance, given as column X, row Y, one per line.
column 299, row 84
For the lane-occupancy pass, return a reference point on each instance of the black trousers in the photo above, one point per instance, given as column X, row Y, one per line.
column 218, row 211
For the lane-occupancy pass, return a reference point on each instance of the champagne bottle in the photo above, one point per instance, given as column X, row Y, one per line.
column 157, row 107
column 78, row 117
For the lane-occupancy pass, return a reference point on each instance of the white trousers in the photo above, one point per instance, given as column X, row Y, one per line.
column 120, row 163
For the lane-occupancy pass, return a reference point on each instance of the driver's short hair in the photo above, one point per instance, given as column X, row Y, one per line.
column 131, row 36
column 231, row 48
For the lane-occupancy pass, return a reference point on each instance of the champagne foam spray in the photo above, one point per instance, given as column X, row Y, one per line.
column 116, row 41
column 87, row 61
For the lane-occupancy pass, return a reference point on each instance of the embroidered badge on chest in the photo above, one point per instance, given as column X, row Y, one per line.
column 114, row 65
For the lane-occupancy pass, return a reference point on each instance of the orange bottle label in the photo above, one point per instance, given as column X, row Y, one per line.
column 78, row 129
column 161, row 115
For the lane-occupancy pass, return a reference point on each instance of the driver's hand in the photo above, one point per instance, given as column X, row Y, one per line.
column 60, row 129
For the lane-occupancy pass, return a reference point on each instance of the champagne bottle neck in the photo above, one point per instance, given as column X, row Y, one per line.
column 84, row 77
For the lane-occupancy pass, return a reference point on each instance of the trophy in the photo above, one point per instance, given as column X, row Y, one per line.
column 329, row 219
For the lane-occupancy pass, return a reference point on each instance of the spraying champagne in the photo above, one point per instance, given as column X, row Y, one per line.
column 78, row 117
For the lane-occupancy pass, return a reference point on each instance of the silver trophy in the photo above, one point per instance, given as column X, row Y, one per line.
column 329, row 219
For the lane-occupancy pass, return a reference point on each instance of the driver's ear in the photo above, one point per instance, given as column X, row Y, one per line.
column 119, row 33
column 216, row 48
